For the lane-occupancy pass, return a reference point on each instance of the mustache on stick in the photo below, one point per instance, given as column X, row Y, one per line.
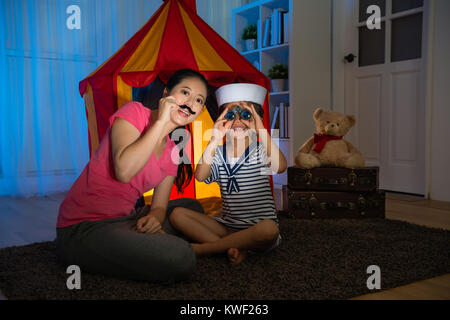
column 187, row 108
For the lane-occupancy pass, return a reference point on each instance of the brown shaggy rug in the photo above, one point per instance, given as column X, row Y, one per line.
column 318, row 259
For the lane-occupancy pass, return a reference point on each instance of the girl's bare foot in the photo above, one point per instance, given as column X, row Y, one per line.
column 236, row 256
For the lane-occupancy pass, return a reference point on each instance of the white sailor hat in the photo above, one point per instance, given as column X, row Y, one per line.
column 241, row 92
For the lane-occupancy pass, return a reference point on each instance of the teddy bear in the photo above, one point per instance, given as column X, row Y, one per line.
column 328, row 148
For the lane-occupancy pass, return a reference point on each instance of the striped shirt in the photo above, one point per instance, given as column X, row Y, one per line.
column 245, row 187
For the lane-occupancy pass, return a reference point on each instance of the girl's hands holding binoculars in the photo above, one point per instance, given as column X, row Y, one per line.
column 221, row 126
column 248, row 116
column 256, row 119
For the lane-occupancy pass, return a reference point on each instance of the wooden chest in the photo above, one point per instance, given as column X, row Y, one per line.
column 333, row 179
column 335, row 204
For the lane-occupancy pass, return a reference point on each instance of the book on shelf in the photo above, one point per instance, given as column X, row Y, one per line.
column 281, row 106
column 266, row 35
column 275, row 124
column 273, row 28
column 280, row 121
column 286, row 27
column 279, row 26
column 286, row 119
column 258, row 33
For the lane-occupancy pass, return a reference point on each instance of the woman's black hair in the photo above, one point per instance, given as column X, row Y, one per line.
column 185, row 172
column 182, row 74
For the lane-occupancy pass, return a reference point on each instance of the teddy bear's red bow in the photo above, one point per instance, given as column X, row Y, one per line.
column 321, row 139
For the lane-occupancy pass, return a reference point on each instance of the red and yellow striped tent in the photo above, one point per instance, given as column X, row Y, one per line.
column 174, row 38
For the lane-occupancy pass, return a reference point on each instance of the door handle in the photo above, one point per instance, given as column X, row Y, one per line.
column 350, row 58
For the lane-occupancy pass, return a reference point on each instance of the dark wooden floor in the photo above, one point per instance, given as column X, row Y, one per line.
column 25, row 221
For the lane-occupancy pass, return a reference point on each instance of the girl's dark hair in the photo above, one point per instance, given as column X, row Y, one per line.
column 185, row 172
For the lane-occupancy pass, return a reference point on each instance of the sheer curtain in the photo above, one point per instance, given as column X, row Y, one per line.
column 217, row 13
column 43, row 127
column 44, row 136
column 43, row 56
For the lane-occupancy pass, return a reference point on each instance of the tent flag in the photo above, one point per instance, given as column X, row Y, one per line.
column 174, row 37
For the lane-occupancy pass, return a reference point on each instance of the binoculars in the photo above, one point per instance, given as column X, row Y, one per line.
column 243, row 113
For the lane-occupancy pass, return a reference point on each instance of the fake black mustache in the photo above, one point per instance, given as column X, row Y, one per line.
column 188, row 108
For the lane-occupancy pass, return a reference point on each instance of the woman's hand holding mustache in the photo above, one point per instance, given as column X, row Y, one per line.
column 169, row 104
column 166, row 106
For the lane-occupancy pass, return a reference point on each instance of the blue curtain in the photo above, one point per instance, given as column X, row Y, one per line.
column 43, row 142
column 44, row 136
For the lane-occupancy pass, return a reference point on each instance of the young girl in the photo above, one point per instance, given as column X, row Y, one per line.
column 240, row 166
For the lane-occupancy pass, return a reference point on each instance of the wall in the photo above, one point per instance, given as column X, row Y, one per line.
column 310, row 72
column 440, row 103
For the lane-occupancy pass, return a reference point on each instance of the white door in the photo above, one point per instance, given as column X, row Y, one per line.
column 385, row 90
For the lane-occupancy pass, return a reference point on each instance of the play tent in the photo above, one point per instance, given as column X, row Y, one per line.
column 175, row 37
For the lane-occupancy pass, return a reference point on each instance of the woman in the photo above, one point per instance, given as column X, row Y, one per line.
column 95, row 229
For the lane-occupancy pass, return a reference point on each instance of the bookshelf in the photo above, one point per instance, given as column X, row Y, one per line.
column 271, row 49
